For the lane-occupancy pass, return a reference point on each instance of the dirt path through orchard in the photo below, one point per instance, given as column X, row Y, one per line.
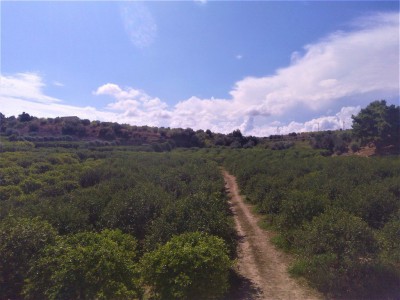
column 260, row 264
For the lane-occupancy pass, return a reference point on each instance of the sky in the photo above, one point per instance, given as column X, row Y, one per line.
column 264, row 67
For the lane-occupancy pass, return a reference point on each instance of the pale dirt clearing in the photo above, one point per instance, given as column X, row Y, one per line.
column 262, row 266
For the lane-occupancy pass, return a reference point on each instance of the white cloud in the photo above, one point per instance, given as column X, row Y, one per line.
column 336, row 74
column 341, row 120
column 14, row 106
column 344, row 64
column 239, row 56
column 57, row 83
column 201, row 2
column 139, row 23
column 27, row 86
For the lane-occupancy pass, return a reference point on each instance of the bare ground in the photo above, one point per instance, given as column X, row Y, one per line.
column 261, row 268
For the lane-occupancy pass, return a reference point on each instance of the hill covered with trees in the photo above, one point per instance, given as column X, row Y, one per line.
column 376, row 126
column 74, row 132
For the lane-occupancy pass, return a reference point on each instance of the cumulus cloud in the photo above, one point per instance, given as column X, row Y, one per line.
column 129, row 102
column 335, row 74
column 344, row 64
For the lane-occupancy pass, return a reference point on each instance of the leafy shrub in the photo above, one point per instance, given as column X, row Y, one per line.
column 30, row 185
column 90, row 177
column 86, row 266
column 189, row 266
column 21, row 239
column 132, row 210
column 282, row 145
column 11, row 175
column 299, row 207
column 355, row 147
column 390, row 241
column 339, row 251
column 207, row 213
column 6, row 192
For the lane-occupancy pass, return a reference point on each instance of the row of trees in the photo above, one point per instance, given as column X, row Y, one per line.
column 96, row 225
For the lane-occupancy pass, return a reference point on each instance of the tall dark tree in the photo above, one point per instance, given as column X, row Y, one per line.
column 378, row 123
column 24, row 117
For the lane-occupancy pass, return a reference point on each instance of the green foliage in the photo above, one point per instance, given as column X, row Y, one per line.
column 132, row 210
column 390, row 241
column 11, row 175
column 189, row 266
column 30, row 185
column 152, row 196
column 337, row 214
column 91, row 176
column 206, row 214
column 333, row 142
column 299, row 207
column 378, row 123
column 9, row 191
column 340, row 233
column 21, row 239
column 340, row 258
column 86, row 266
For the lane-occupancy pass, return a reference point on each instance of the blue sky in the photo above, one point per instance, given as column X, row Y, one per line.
column 257, row 66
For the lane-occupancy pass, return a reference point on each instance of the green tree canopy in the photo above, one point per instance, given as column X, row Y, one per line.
column 190, row 266
column 21, row 239
column 86, row 266
column 378, row 123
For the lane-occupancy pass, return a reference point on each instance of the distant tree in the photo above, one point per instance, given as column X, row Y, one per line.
column 86, row 266
column 3, row 123
column 378, row 123
column 24, row 117
column 189, row 266
column 85, row 122
column 237, row 134
column 21, row 239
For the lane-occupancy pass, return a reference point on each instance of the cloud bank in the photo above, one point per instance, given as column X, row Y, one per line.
column 336, row 73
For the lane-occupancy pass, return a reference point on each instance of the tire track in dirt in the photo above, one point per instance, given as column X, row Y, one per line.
column 259, row 261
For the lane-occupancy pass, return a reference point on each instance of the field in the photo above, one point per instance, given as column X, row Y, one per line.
column 113, row 221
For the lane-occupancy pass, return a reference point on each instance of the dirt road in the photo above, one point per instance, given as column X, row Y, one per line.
column 261, row 265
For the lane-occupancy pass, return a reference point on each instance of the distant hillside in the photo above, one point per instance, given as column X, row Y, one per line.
column 376, row 130
column 42, row 131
